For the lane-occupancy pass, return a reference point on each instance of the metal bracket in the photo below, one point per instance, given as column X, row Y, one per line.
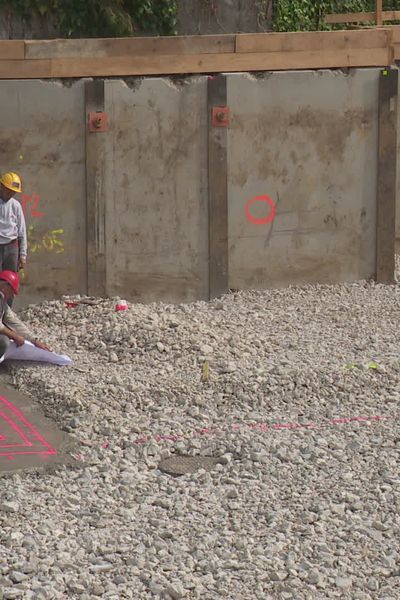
column 98, row 121
column 221, row 116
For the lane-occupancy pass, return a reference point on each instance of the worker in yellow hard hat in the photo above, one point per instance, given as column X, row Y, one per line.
column 12, row 224
column 13, row 239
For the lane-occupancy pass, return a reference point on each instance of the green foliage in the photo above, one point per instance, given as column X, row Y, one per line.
column 100, row 18
column 119, row 18
column 308, row 15
column 157, row 16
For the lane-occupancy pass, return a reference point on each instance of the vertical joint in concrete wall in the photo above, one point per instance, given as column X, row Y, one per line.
column 217, row 190
column 95, row 193
column 387, row 175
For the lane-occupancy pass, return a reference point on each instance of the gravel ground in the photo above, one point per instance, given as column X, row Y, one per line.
column 296, row 391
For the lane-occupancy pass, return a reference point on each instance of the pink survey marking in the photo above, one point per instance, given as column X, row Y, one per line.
column 264, row 427
column 171, row 438
column 14, row 429
column 18, row 435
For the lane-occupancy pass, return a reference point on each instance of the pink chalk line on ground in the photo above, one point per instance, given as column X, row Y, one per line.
column 27, row 439
column 262, row 428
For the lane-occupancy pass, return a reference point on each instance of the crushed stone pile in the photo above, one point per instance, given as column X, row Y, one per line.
column 295, row 391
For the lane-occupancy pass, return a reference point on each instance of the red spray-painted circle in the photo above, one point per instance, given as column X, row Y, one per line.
column 264, row 220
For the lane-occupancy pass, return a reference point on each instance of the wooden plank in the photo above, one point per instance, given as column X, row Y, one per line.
column 350, row 17
column 396, row 52
column 95, row 194
column 311, row 41
column 203, row 63
column 218, row 63
column 391, row 15
column 387, row 175
column 110, row 47
column 395, row 33
column 217, row 191
column 25, row 69
column 387, row 15
column 379, row 10
column 12, row 49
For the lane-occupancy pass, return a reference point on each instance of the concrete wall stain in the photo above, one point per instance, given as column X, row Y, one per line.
column 329, row 131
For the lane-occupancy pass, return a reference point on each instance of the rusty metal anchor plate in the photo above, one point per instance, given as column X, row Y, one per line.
column 221, row 116
column 98, row 122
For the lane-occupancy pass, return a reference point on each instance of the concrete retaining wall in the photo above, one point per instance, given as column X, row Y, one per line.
column 311, row 146
column 306, row 140
column 157, row 196
column 42, row 138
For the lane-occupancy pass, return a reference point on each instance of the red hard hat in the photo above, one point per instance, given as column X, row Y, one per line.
column 11, row 278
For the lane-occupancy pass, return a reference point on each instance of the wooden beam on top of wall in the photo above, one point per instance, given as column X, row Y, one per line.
column 395, row 33
column 217, row 190
column 112, row 47
column 220, row 63
column 317, row 41
column 25, row 69
column 126, row 66
column 12, row 49
column 223, row 44
column 387, row 175
column 95, row 193
column 362, row 17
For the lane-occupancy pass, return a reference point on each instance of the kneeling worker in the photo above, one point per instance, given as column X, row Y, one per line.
column 11, row 327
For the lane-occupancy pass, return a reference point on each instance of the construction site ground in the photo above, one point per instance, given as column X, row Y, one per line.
column 295, row 392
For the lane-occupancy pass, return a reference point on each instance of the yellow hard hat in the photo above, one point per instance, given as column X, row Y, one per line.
column 11, row 181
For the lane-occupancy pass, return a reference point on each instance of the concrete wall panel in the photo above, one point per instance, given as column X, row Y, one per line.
column 43, row 138
column 157, row 199
column 309, row 141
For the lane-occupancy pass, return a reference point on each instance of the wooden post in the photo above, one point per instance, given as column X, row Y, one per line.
column 379, row 10
column 217, row 191
column 95, row 200
column 387, row 174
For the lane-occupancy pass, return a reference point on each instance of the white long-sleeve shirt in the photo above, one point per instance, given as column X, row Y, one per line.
column 12, row 224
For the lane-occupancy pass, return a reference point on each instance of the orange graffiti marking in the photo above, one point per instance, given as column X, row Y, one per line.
column 33, row 201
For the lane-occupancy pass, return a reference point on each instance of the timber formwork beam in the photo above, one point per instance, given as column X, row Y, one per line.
column 123, row 57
